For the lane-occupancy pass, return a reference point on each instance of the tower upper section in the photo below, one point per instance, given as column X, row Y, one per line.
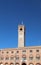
column 21, row 35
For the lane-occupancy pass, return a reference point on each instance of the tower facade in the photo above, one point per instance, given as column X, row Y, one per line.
column 21, row 35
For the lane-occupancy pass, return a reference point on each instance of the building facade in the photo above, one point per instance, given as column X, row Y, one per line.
column 21, row 55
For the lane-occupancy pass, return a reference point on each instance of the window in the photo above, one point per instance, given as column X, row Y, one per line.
column 11, row 58
column 12, row 51
column 17, row 57
column 17, row 51
column 37, row 50
column 24, row 51
column 31, row 57
column 7, row 52
column 11, row 63
column 17, row 64
column 7, row 58
column 1, row 58
column 38, row 56
column 2, row 52
column 37, row 63
column 1, row 63
column 6, row 63
column 24, row 57
column 30, row 50
column 31, row 64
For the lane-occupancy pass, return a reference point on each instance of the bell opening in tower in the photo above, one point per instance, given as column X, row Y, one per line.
column 20, row 29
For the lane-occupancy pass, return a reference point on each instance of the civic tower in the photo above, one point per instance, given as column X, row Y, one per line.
column 21, row 55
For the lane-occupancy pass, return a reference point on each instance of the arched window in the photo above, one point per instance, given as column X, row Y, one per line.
column 17, row 57
column 6, row 64
column 24, row 57
column 31, row 57
column 12, row 58
column 1, row 58
column 37, row 63
column 17, row 64
column 11, row 63
column 31, row 64
column 23, row 63
column 38, row 56
column 21, row 29
column 7, row 58
column 1, row 63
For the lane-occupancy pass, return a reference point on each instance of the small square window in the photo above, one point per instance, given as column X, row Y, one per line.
column 2, row 52
column 37, row 50
column 17, row 51
column 30, row 50
column 12, row 51
column 7, row 52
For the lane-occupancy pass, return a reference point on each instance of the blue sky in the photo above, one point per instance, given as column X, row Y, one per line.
column 12, row 13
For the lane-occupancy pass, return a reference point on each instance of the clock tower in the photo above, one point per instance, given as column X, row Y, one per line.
column 21, row 35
